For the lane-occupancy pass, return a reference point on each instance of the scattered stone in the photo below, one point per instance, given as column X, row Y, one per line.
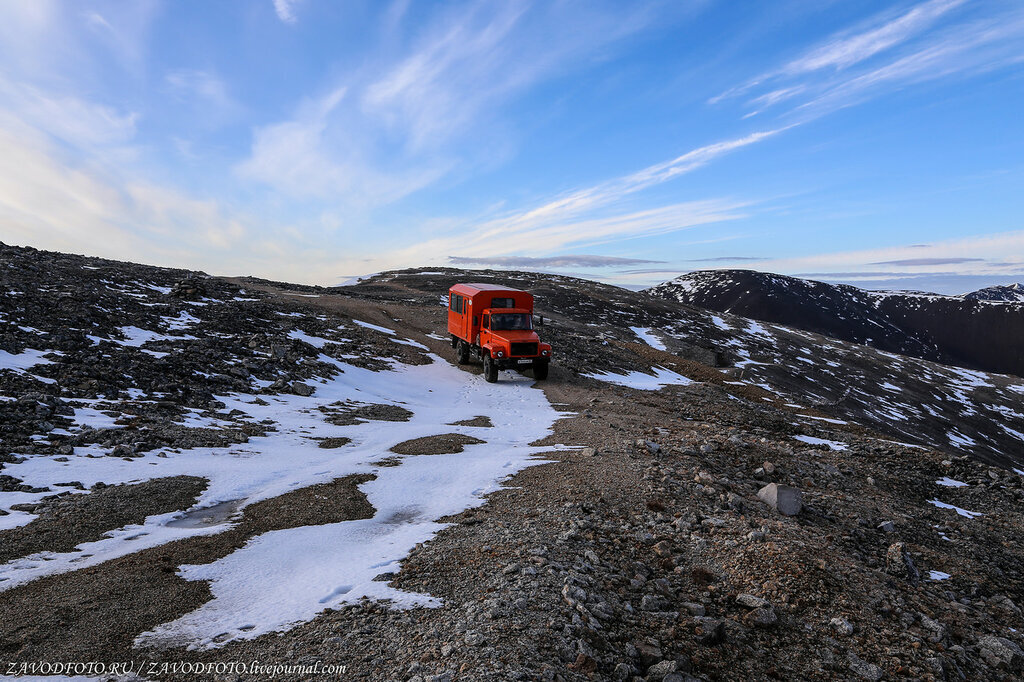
column 658, row 671
column 785, row 499
column 861, row 668
column 750, row 601
column 842, row 627
column 898, row 563
column 762, row 617
column 1001, row 653
column 301, row 389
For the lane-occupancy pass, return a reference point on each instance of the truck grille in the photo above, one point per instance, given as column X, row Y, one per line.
column 524, row 349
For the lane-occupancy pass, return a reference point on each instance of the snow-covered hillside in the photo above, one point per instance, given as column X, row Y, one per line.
column 971, row 331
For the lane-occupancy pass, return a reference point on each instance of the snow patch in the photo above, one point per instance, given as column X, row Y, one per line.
column 641, row 381
column 832, row 444
column 367, row 325
column 648, row 337
column 962, row 512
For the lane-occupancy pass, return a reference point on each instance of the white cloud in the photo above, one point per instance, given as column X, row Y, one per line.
column 285, row 10
column 305, row 157
column 69, row 118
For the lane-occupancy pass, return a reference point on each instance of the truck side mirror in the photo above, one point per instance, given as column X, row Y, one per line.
column 538, row 320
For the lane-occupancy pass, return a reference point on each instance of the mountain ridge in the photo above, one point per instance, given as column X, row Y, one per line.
column 969, row 332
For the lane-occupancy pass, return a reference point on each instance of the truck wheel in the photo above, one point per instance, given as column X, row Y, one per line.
column 462, row 352
column 540, row 370
column 490, row 370
column 455, row 341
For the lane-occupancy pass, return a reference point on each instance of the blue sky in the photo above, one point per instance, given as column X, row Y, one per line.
column 877, row 143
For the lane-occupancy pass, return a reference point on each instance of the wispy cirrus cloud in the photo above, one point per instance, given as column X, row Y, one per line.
column 932, row 40
column 433, row 107
column 928, row 261
column 855, row 46
column 974, row 255
column 727, row 259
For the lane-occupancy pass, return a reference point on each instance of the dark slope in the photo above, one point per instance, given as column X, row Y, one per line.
column 966, row 332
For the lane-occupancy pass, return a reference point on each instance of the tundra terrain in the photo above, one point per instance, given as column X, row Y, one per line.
column 205, row 471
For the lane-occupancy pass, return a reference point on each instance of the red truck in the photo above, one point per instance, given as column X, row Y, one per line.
column 496, row 323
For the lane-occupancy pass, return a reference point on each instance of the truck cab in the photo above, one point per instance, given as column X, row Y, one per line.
column 496, row 324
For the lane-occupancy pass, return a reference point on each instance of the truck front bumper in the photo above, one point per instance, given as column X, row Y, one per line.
column 519, row 363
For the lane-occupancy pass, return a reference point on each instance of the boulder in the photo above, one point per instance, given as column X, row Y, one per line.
column 785, row 499
column 898, row 563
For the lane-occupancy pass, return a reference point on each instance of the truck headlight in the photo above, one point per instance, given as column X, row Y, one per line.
column 545, row 352
column 500, row 354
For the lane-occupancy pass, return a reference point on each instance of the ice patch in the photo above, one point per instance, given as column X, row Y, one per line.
column 315, row 341
column 410, row 342
column 938, row 575
column 373, row 326
column 950, row 482
column 644, row 382
column 822, row 419
column 720, row 323
column 832, row 444
column 24, row 360
column 648, row 337
column 137, row 337
column 183, row 321
column 957, row 438
column 961, row 512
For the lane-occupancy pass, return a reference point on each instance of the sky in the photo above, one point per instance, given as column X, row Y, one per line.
column 874, row 143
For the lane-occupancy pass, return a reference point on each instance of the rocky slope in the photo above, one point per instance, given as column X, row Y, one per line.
column 965, row 331
column 608, row 524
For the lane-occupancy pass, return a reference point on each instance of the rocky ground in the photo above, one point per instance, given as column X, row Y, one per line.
column 647, row 551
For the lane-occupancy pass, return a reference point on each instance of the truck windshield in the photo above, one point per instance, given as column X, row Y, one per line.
column 511, row 321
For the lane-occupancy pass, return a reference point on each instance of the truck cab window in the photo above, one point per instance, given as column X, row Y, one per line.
column 503, row 303
column 487, row 322
column 511, row 321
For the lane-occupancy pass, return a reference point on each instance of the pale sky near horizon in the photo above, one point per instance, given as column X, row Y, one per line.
column 874, row 143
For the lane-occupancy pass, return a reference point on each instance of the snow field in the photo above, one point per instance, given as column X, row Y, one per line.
column 288, row 576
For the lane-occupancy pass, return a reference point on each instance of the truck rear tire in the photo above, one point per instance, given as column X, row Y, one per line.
column 462, row 352
column 490, row 370
column 540, row 370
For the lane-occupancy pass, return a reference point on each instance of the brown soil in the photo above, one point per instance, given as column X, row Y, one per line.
column 480, row 421
column 443, row 444
column 67, row 520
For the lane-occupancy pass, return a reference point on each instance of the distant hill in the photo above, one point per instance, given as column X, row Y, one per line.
column 966, row 331
column 1013, row 293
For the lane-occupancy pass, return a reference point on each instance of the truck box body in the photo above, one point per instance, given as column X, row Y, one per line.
column 466, row 302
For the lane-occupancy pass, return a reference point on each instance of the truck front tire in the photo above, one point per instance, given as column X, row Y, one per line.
column 540, row 370
column 462, row 352
column 490, row 370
